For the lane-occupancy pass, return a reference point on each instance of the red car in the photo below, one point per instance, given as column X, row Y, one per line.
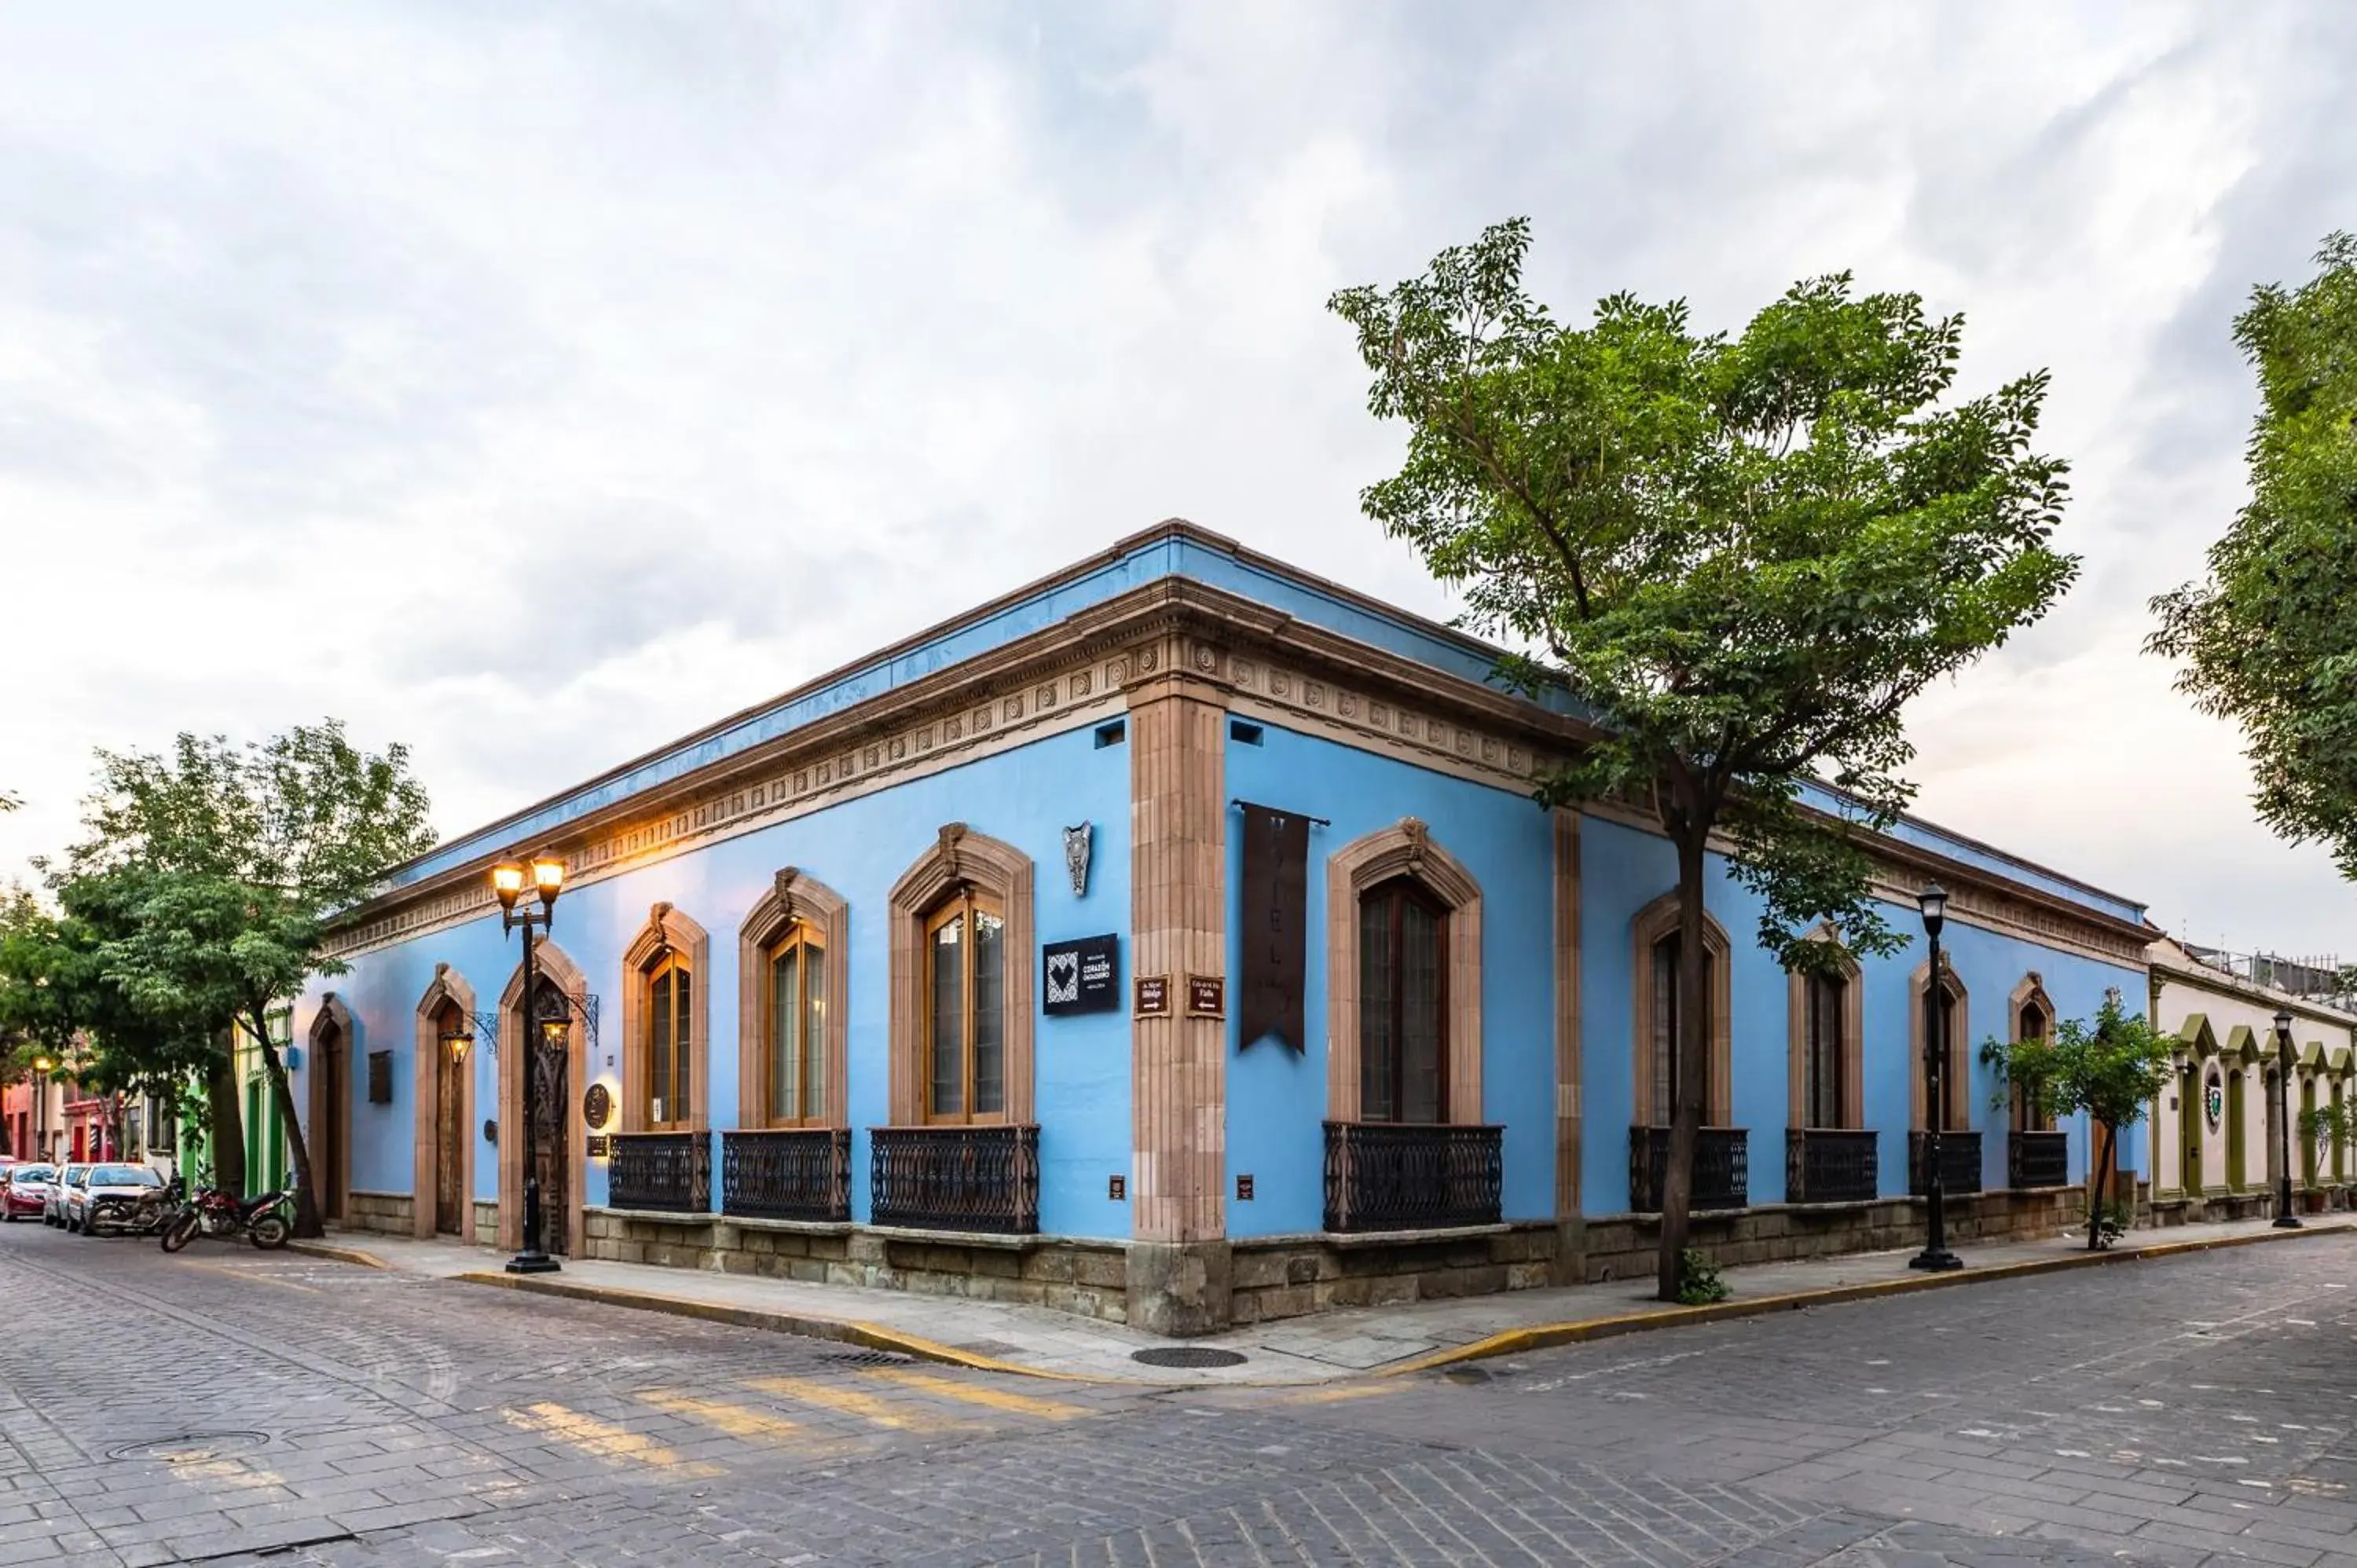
column 25, row 1190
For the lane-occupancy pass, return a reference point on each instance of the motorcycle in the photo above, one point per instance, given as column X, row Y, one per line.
column 267, row 1221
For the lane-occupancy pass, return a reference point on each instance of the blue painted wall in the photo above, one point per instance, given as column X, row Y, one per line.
column 1277, row 1099
column 1026, row 796
column 1622, row 870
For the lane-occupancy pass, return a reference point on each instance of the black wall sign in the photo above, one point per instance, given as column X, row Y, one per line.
column 1275, row 925
column 1083, row 975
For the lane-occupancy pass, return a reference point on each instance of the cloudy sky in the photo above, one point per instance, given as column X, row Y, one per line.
column 533, row 383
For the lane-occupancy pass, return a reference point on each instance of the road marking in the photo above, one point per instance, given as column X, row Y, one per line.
column 976, row 1394
column 1334, row 1396
column 600, row 1438
column 237, row 1273
column 733, row 1419
column 850, row 1402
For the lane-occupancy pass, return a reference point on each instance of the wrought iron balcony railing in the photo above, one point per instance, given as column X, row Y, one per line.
column 2037, row 1159
column 1828, row 1164
column 1960, row 1162
column 955, row 1178
column 663, row 1172
column 1722, row 1173
column 1382, row 1176
column 786, row 1172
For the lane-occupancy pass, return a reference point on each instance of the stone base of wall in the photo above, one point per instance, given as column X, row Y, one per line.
column 486, row 1224
column 387, row 1213
column 1087, row 1278
column 2210, row 1207
column 1625, row 1246
column 1290, row 1276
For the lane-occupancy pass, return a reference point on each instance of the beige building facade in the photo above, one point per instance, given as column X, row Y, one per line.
column 2216, row 1140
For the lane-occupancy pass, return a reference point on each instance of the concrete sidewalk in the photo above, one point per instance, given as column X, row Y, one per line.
column 1328, row 1347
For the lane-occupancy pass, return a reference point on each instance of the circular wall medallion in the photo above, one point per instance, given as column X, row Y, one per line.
column 491, row 1131
column 598, row 1105
column 2213, row 1097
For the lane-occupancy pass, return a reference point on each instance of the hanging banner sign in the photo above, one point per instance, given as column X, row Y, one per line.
column 1274, row 926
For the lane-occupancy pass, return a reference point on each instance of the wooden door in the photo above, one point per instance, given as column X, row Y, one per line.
column 552, row 1091
column 327, row 1159
column 449, row 1153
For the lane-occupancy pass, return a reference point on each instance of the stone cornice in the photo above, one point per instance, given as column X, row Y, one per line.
column 1082, row 670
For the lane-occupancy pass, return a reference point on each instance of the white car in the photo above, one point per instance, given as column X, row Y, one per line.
column 53, row 1208
column 114, row 1197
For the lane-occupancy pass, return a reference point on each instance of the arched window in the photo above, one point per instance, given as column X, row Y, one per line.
column 1950, row 1107
column 795, row 1073
column 965, row 1009
column 1659, row 944
column 670, row 1043
column 1403, row 1004
column 1825, row 1092
column 2030, row 1023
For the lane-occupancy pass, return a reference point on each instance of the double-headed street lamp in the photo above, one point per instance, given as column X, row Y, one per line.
column 1933, row 903
column 2284, row 1219
column 547, row 874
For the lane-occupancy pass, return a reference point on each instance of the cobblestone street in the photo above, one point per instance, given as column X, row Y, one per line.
column 228, row 1404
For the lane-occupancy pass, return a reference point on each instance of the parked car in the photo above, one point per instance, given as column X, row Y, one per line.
column 53, row 1208
column 115, row 1198
column 27, row 1190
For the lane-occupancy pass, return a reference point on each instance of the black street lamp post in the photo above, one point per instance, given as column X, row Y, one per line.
column 548, row 877
column 2284, row 1219
column 1935, row 1256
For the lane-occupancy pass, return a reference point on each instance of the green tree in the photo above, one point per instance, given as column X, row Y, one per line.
column 2265, row 636
column 231, row 860
column 1740, row 555
column 2110, row 1070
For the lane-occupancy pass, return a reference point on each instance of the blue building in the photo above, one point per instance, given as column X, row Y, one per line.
column 934, row 975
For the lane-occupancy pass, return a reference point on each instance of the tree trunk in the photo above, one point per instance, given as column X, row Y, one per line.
column 1692, row 1047
column 227, row 1133
column 2100, row 1178
column 307, row 1221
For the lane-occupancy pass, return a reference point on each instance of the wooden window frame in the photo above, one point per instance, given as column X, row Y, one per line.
column 1405, row 890
column 794, row 899
column 2030, row 993
column 1406, row 849
column 1853, row 1044
column 960, row 858
column 966, row 905
column 1656, row 920
column 667, row 932
column 670, row 1013
column 1958, row 1068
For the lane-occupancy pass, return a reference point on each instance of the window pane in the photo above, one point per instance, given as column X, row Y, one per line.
column 1665, row 1030
column 683, row 1058
column 1421, row 1092
column 1379, row 1098
column 989, row 1014
column 813, row 1031
column 658, row 1047
column 785, row 1037
column 1825, row 1061
column 947, row 1070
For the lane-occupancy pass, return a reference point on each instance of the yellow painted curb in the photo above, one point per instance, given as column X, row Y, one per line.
column 841, row 1330
column 352, row 1255
column 1579, row 1331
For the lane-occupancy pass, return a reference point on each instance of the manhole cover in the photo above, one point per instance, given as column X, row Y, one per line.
column 870, row 1358
column 192, row 1448
column 1186, row 1356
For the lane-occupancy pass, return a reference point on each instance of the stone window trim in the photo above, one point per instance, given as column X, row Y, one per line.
column 1853, row 1040
column 666, row 933
column 795, row 898
column 332, row 1016
column 2031, row 992
column 1646, row 928
column 448, row 988
column 563, row 1122
column 1406, row 849
column 1958, row 1068
column 960, row 858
